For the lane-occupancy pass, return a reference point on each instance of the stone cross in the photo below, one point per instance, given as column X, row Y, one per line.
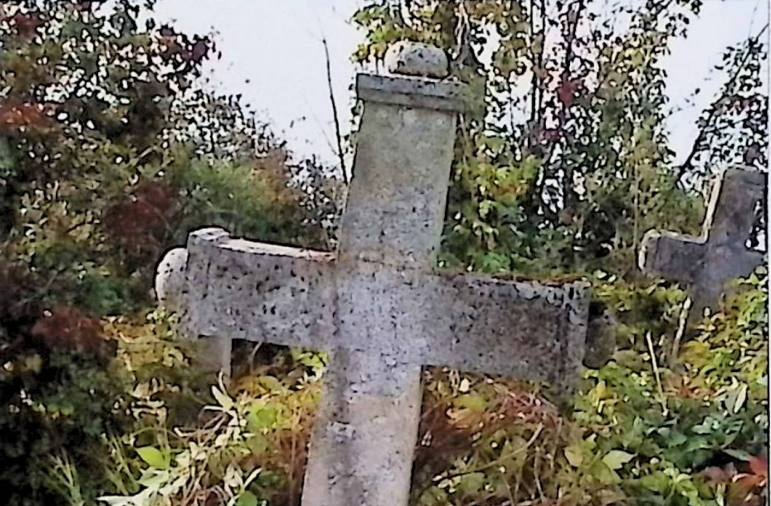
column 705, row 263
column 377, row 306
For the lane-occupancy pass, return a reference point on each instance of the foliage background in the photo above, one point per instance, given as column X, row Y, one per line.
column 111, row 151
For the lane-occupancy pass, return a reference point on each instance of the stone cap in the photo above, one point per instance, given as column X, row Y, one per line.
column 417, row 81
column 419, row 93
column 170, row 278
column 409, row 58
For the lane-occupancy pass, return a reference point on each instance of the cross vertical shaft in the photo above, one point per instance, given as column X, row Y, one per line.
column 365, row 436
column 396, row 202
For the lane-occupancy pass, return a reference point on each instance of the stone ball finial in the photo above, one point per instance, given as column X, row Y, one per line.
column 417, row 59
column 170, row 278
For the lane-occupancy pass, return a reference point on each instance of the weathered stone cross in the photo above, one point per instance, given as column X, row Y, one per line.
column 377, row 306
column 720, row 254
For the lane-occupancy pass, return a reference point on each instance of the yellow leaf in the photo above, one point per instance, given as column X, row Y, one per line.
column 615, row 459
column 473, row 402
column 153, row 457
column 736, row 398
column 574, row 455
column 222, row 398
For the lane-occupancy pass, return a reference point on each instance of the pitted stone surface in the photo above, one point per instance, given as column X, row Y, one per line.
column 263, row 293
column 706, row 263
column 395, row 207
column 377, row 306
column 413, row 93
column 416, row 59
column 399, row 316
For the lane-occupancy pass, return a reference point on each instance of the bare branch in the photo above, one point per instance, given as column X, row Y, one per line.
column 335, row 115
column 714, row 109
column 574, row 16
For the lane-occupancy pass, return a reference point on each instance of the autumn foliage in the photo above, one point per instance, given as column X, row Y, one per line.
column 110, row 153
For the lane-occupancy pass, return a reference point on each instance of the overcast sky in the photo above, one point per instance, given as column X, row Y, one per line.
column 273, row 55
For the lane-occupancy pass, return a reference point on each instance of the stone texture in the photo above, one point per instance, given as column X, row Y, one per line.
column 377, row 306
column 409, row 58
column 411, row 92
column 706, row 263
column 401, row 314
column 261, row 292
column 364, row 438
column 398, row 192
column 172, row 289
column 170, row 278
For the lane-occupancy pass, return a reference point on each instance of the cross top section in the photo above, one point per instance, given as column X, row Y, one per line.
column 396, row 201
column 705, row 263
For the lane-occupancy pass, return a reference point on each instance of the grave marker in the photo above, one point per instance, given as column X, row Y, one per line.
column 377, row 305
column 705, row 263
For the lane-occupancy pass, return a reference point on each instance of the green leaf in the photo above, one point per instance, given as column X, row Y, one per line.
column 247, row 499
column 675, row 438
column 470, row 484
column 257, row 444
column 603, row 473
column 263, row 417
column 615, row 459
column 153, row 457
column 154, row 479
column 574, row 455
column 474, row 402
column 736, row 398
column 271, row 383
column 738, row 454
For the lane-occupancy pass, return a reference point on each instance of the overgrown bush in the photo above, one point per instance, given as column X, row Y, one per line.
column 642, row 430
column 110, row 154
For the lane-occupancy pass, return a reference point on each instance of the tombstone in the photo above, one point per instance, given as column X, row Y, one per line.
column 706, row 263
column 377, row 306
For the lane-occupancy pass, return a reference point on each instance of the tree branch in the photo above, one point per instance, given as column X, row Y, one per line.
column 536, row 94
column 714, row 109
column 567, row 180
column 335, row 115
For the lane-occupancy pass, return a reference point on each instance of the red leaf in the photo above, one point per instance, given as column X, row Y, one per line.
column 566, row 92
column 26, row 24
column 549, row 135
column 67, row 328
column 200, row 50
column 759, row 466
column 749, row 481
column 716, row 475
column 139, row 221
column 167, row 31
column 21, row 115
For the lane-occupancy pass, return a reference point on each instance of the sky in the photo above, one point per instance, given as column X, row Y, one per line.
column 273, row 55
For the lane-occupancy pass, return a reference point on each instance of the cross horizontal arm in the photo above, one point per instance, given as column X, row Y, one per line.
column 259, row 292
column 673, row 256
column 520, row 329
column 527, row 330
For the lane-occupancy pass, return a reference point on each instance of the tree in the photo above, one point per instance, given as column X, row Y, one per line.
column 562, row 163
column 110, row 152
column 570, row 164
